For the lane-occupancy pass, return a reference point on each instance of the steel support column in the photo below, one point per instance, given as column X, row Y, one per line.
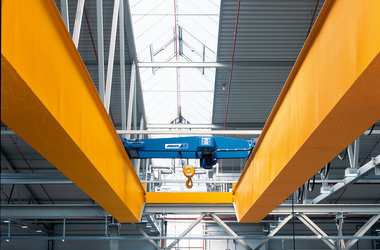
column 111, row 55
column 138, row 161
column 114, row 232
column 65, row 13
column 353, row 153
column 122, row 67
column 322, row 117
column 131, row 97
column 78, row 22
column 133, row 54
column 99, row 25
column 339, row 223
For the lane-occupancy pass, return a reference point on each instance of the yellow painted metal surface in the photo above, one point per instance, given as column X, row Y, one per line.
column 330, row 98
column 189, row 197
column 49, row 99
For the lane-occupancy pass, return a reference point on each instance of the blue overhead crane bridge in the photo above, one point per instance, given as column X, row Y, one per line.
column 206, row 148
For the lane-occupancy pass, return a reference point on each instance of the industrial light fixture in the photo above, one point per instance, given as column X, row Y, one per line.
column 272, row 226
column 6, row 221
column 24, row 226
column 326, row 190
column 351, row 172
column 39, row 231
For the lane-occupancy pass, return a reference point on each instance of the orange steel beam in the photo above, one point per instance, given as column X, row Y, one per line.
column 49, row 99
column 330, row 98
column 189, row 197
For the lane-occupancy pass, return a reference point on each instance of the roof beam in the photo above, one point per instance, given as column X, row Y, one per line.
column 189, row 126
column 133, row 54
column 56, row 108
column 237, row 64
column 340, row 62
column 190, row 132
column 42, row 211
column 53, row 211
column 37, row 178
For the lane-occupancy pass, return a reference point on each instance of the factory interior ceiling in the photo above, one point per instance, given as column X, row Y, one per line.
column 180, row 68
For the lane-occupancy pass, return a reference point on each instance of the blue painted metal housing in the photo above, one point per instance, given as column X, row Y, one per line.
column 206, row 148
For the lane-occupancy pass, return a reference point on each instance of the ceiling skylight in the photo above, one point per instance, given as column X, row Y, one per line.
column 176, row 31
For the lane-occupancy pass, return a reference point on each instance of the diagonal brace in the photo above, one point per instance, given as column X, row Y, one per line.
column 146, row 235
column 152, row 220
column 274, row 231
column 313, row 227
column 230, row 231
column 186, row 231
column 363, row 230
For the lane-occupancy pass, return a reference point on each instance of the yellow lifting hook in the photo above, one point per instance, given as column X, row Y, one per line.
column 189, row 172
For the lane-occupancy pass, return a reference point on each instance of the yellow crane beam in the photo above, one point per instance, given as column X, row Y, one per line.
column 49, row 100
column 330, row 98
column 189, row 197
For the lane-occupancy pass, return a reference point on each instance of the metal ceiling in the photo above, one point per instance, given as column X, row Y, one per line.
column 270, row 35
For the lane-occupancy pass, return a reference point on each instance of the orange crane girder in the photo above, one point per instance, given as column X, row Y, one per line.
column 49, row 100
column 330, row 98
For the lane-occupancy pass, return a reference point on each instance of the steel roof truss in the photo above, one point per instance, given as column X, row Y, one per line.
column 230, row 231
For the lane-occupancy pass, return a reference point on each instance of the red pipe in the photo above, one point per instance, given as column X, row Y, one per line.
column 96, row 54
column 232, row 64
column 89, row 29
column 312, row 19
column 7, row 197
